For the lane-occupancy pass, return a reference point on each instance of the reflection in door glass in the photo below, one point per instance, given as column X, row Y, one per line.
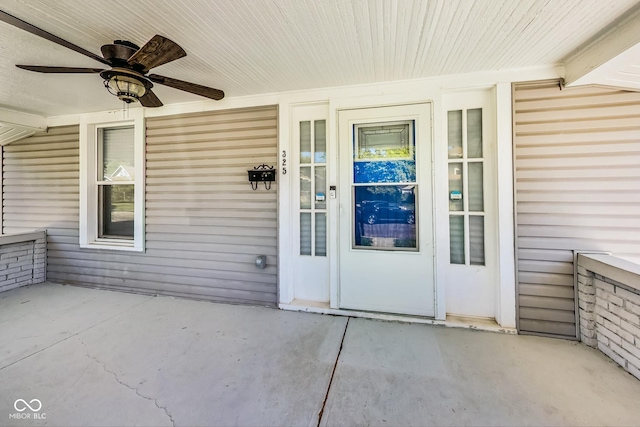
column 320, row 145
column 476, row 187
column 385, row 216
column 454, row 124
column 305, row 188
column 384, row 152
column 476, row 240
column 321, row 234
column 456, row 239
column 305, row 233
column 321, row 185
column 305, row 142
column 474, row 133
column 385, row 141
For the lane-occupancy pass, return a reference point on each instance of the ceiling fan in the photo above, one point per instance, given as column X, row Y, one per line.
column 127, row 78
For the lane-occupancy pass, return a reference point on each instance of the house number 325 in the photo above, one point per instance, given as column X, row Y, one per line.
column 284, row 162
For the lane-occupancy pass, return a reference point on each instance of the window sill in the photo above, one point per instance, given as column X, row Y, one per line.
column 113, row 245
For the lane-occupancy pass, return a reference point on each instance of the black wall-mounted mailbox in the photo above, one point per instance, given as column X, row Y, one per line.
column 262, row 173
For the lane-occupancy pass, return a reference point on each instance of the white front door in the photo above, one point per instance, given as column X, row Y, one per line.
column 386, row 210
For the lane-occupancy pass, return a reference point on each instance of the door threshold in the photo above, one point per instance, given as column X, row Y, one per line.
column 321, row 307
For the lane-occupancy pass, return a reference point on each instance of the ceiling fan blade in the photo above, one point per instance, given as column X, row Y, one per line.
column 150, row 100
column 197, row 89
column 75, row 70
column 19, row 23
column 159, row 50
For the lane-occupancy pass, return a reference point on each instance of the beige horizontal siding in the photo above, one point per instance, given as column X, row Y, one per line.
column 204, row 223
column 577, row 153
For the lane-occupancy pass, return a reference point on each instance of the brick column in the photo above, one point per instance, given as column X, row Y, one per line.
column 586, row 304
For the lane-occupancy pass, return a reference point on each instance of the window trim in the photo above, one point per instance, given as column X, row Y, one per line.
column 88, row 182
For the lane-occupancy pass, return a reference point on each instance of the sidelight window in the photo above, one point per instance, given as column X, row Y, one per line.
column 313, row 188
column 466, row 187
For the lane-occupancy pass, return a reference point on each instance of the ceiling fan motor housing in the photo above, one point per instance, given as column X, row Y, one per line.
column 119, row 52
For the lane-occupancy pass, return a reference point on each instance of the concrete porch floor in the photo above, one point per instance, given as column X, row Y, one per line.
column 98, row 358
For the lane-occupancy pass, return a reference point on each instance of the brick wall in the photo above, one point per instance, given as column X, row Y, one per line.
column 609, row 306
column 23, row 259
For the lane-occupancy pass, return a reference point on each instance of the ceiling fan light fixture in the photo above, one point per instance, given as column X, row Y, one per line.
column 127, row 78
column 127, row 89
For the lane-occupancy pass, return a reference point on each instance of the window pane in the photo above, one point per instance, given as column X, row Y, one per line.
column 320, row 146
column 384, row 153
column 476, row 191
column 382, row 171
column 454, row 125
column 455, row 187
column 305, row 142
column 456, row 239
column 385, row 217
column 305, row 187
column 116, row 211
column 321, row 187
column 384, row 142
column 305, row 233
column 476, row 240
column 474, row 133
column 117, row 154
column 321, row 234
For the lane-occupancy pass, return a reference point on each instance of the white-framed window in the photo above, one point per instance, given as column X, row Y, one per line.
column 112, row 183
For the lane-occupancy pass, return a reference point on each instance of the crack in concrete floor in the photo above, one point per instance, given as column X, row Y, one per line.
column 333, row 372
column 134, row 389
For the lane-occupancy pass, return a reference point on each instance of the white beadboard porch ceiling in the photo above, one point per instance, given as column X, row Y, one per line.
column 248, row 47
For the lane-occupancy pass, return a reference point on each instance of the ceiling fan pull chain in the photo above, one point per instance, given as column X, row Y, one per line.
column 125, row 110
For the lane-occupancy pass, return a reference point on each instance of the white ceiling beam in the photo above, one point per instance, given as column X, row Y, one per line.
column 620, row 37
column 15, row 125
column 10, row 117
